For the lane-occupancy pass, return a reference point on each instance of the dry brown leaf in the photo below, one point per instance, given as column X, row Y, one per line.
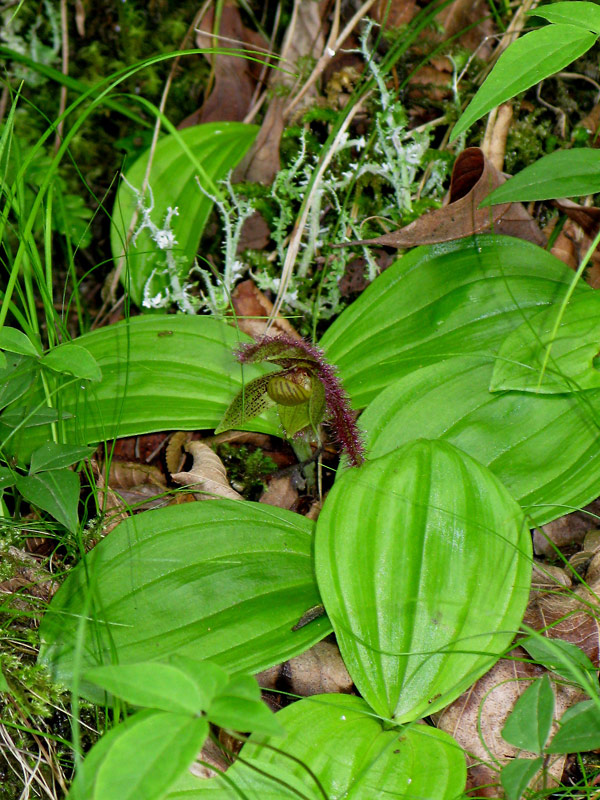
column 480, row 713
column 572, row 617
column 393, row 13
column 473, row 15
column 252, row 310
column 280, row 492
column 28, row 578
column 318, row 670
column 235, row 77
column 473, row 178
column 262, row 163
column 214, row 761
column 207, row 473
column 564, row 531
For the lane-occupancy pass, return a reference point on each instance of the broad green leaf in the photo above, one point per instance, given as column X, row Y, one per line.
column 15, row 341
column 53, row 455
column 209, row 678
column 564, row 173
column 574, row 12
column 55, row 491
column 220, row 580
column 439, row 301
column 73, row 359
column 521, row 363
column 140, row 758
column 529, row 60
column 335, row 747
column 158, row 373
column 8, row 478
column 517, row 774
column 423, row 560
column 152, row 685
column 217, row 148
column 240, row 706
column 3, row 361
column 579, row 729
column 529, row 723
column 542, row 447
column 559, row 656
column 16, row 378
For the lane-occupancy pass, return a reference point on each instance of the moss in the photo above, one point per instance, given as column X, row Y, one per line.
column 247, row 469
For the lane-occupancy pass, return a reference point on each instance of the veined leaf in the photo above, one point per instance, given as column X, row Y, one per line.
column 15, row 341
column 529, row 60
column 223, row 581
column 579, row 729
column 158, row 373
column 218, row 147
column 439, row 301
column 53, row 455
column 55, row 491
column 74, row 360
column 517, row 775
column 529, row 723
column 564, row 173
column 570, row 365
column 574, row 12
column 150, row 684
column 542, row 447
column 334, row 747
column 141, row 757
column 423, row 561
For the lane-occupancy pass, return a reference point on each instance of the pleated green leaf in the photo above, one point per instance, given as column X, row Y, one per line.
column 158, row 373
column 542, row 447
column 439, row 301
column 348, row 752
column 523, row 362
column 219, row 580
column 423, row 561
column 208, row 151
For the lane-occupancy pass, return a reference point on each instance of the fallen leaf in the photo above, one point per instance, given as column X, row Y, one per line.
column 565, row 531
column 280, row 492
column 252, row 309
column 262, row 162
column 207, row 474
column 393, row 13
column 235, row 78
column 318, row 670
column 473, row 178
column 476, row 719
column 473, row 17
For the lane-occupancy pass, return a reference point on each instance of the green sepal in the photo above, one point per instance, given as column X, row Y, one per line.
column 293, row 418
column 251, row 401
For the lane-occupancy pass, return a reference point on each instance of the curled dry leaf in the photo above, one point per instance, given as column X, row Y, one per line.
column 476, row 719
column 564, row 531
column 207, row 473
column 572, row 617
column 473, row 178
column 174, row 451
